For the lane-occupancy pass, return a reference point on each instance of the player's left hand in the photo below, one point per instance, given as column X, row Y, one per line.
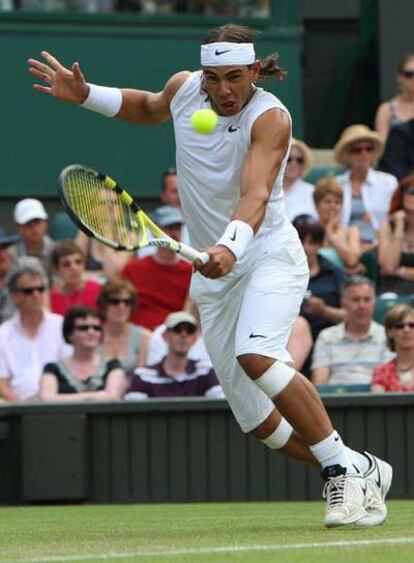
column 220, row 264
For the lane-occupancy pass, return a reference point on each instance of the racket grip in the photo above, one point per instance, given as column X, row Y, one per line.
column 192, row 254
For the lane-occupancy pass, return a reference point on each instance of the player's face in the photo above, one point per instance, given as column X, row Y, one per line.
column 230, row 87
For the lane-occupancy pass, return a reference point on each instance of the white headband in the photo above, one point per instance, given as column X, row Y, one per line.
column 227, row 54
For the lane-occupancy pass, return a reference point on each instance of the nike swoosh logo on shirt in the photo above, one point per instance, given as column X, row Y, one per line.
column 232, row 129
column 251, row 335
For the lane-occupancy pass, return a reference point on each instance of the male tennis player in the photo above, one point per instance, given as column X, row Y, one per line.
column 250, row 291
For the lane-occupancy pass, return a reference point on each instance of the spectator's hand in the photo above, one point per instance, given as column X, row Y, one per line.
column 358, row 269
column 315, row 306
column 333, row 230
column 220, row 264
column 399, row 218
column 61, row 83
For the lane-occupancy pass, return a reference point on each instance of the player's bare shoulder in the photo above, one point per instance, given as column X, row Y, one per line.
column 174, row 84
column 272, row 126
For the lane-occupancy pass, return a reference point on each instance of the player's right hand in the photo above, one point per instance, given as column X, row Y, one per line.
column 68, row 85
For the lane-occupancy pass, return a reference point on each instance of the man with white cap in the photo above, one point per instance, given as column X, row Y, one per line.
column 176, row 375
column 250, row 291
column 31, row 221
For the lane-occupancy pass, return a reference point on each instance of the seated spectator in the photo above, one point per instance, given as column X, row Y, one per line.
column 398, row 157
column 84, row 375
column 31, row 221
column 170, row 196
column 162, row 280
column 6, row 303
column 341, row 244
column 347, row 353
column 31, row 337
column 397, row 375
column 298, row 193
column 73, row 287
column 176, row 375
column 366, row 192
column 396, row 242
column 101, row 261
column 122, row 340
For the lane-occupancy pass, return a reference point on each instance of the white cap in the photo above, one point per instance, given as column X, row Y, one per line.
column 28, row 209
column 174, row 319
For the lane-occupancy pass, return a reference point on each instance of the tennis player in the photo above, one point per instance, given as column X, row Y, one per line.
column 250, row 291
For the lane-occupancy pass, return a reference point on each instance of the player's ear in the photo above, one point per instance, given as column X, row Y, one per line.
column 255, row 70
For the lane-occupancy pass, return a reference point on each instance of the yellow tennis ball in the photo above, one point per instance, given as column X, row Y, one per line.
column 204, row 121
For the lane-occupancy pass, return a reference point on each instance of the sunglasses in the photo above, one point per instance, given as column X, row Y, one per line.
column 407, row 73
column 31, row 289
column 298, row 159
column 361, row 148
column 69, row 263
column 119, row 300
column 85, row 327
column 400, row 326
column 409, row 190
column 189, row 329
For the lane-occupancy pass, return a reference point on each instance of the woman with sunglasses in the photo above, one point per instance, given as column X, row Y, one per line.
column 398, row 374
column 84, row 375
column 366, row 192
column 121, row 339
column 400, row 108
column 396, row 242
column 298, row 193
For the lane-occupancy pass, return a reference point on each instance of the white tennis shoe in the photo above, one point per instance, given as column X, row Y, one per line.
column 345, row 497
column 378, row 479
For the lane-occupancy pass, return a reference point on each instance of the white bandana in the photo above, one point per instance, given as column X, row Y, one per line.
column 227, row 54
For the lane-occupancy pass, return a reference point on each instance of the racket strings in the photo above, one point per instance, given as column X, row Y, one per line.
column 101, row 210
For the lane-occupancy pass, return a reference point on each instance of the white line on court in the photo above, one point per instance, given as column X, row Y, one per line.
column 217, row 550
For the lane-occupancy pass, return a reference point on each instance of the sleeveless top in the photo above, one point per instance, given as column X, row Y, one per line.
column 394, row 119
column 69, row 383
column 129, row 360
column 210, row 166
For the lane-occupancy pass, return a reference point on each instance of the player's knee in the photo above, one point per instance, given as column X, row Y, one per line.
column 275, row 379
column 254, row 365
column 280, row 436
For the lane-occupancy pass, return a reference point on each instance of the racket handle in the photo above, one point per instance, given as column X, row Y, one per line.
column 192, row 254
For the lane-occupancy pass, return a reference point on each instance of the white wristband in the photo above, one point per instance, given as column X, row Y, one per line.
column 104, row 100
column 237, row 237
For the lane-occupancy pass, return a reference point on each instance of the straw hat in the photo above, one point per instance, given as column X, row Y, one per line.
column 306, row 153
column 354, row 134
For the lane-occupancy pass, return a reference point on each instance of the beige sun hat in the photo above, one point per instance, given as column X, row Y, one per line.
column 306, row 153
column 353, row 134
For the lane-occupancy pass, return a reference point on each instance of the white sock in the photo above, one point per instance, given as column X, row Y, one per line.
column 360, row 460
column 332, row 451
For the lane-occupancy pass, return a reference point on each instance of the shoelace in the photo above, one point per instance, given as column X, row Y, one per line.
column 334, row 490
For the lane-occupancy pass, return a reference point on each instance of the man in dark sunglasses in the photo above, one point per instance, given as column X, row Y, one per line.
column 32, row 337
column 176, row 375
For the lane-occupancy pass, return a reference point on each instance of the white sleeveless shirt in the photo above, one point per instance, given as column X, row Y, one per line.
column 210, row 166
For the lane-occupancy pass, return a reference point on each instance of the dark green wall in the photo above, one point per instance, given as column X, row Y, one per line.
column 40, row 135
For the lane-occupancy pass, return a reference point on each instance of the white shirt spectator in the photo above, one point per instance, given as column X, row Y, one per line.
column 299, row 200
column 22, row 358
column 376, row 193
column 158, row 348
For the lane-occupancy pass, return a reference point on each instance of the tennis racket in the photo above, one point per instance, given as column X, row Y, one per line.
column 105, row 211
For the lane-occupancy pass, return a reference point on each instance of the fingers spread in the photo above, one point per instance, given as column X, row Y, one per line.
column 54, row 63
column 44, row 89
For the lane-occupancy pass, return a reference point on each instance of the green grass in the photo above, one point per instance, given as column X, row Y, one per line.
column 246, row 532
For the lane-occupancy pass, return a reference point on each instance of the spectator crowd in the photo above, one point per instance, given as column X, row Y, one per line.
column 80, row 321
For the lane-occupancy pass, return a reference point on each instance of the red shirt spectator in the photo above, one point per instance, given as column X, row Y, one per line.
column 387, row 376
column 60, row 302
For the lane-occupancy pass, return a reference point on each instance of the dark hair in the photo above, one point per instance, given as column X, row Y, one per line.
column 171, row 171
column 243, row 34
column 306, row 226
column 65, row 248
column 115, row 285
column 394, row 316
column 397, row 197
column 78, row 312
column 404, row 61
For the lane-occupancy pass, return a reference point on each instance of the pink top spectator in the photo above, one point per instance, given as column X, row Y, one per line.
column 386, row 376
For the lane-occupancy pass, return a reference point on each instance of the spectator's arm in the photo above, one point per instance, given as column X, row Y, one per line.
column 382, row 120
column 375, row 388
column 115, row 387
column 321, row 376
column 300, row 342
column 7, row 393
column 390, row 245
column 321, row 360
column 143, row 350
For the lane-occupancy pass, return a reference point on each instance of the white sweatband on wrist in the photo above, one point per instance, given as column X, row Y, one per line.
column 279, row 437
column 104, row 100
column 275, row 379
column 237, row 237
column 225, row 53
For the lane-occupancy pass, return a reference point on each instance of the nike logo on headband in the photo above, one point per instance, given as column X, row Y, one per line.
column 222, row 52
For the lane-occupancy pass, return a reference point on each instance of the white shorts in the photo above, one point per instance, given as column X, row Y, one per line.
column 252, row 315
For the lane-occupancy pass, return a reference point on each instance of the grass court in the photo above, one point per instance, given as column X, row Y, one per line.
column 240, row 532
